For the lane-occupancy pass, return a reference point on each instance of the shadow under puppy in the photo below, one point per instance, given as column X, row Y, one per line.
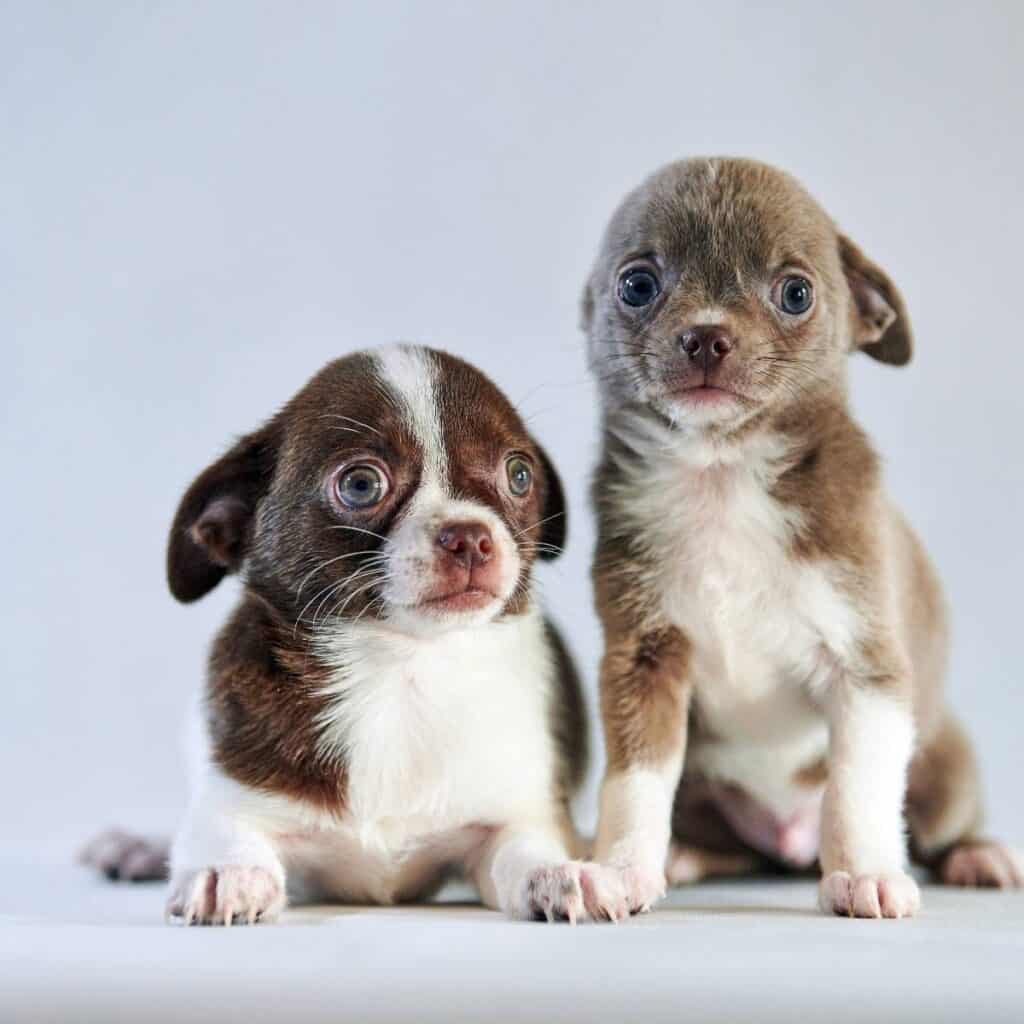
column 387, row 701
column 770, row 619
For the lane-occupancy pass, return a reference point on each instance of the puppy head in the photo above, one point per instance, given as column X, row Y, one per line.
column 722, row 290
column 398, row 485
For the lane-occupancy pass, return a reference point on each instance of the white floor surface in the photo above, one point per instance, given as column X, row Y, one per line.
column 76, row 948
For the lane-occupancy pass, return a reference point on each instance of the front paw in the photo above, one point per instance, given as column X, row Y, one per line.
column 644, row 886
column 893, row 895
column 574, row 891
column 226, row 895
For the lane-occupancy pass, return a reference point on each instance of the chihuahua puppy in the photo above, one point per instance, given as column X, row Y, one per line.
column 387, row 701
column 770, row 620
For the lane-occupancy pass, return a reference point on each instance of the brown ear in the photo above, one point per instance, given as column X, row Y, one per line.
column 554, row 515
column 881, row 327
column 212, row 527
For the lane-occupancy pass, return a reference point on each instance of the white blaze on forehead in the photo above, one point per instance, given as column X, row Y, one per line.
column 708, row 315
column 410, row 374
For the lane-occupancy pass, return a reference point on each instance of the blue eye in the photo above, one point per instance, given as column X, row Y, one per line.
column 520, row 476
column 639, row 287
column 795, row 296
column 361, row 487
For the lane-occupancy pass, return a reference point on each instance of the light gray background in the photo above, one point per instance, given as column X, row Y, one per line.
column 203, row 203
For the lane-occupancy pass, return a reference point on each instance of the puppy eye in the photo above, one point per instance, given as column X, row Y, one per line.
column 794, row 295
column 639, row 287
column 361, row 487
column 520, row 476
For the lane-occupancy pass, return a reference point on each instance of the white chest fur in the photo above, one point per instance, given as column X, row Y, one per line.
column 443, row 730
column 765, row 627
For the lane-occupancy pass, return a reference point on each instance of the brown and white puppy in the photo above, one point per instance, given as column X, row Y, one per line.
column 771, row 622
column 387, row 701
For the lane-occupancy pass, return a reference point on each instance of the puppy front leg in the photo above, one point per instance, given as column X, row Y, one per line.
column 863, row 847
column 526, row 871
column 223, row 869
column 644, row 706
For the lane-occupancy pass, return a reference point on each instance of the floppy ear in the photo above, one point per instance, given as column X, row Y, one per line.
column 212, row 527
column 881, row 327
column 554, row 525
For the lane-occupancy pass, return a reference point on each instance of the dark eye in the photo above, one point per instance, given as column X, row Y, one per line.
column 361, row 487
column 639, row 287
column 795, row 295
column 520, row 476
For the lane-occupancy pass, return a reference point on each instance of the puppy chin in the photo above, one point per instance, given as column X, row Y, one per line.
column 444, row 612
column 697, row 408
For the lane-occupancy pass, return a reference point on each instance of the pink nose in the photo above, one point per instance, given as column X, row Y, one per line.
column 468, row 543
column 712, row 342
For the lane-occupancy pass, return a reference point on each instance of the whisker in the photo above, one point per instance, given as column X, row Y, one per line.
column 333, row 587
column 355, row 593
column 540, row 522
column 331, row 561
column 359, row 529
column 351, row 419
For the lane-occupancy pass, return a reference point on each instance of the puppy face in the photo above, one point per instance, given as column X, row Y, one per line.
column 723, row 290
column 398, row 485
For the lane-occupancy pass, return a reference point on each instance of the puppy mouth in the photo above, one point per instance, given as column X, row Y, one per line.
column 707, row 394
column 470, row 598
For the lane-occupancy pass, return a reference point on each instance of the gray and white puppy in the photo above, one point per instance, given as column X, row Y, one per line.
column 770, row 620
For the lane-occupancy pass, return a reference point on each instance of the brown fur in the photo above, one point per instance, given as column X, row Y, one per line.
column 262, row 509
column 717, row 234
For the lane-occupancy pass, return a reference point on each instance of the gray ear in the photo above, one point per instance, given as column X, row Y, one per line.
column 212, row 527
column 881, row 327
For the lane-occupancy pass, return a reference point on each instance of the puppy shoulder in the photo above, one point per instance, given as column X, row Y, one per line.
column 264, row 699
column 833, row 481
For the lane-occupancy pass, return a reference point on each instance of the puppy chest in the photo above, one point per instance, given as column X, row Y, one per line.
column 444, row 739
column 430, row 758
column 760, row 621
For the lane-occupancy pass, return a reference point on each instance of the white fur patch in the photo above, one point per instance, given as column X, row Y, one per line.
column 448, row 727
column 410, row 374
column 635, row 827
column 708, row 315
column 872, row 741
column 411, row 550
column 445, row 740
column 767, row 630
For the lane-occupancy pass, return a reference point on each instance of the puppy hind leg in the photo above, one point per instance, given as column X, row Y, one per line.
column 689, row 864
column 703, row 845
column 126, row 857
column 944, row 811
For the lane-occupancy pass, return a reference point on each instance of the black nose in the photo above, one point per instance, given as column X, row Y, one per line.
column 469, row 543
column 708, row 342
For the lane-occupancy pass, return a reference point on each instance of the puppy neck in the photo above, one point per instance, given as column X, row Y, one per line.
column 769, row 441
column 341, row 644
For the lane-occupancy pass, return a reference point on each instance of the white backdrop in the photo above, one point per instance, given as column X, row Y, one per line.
column 202, row 203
